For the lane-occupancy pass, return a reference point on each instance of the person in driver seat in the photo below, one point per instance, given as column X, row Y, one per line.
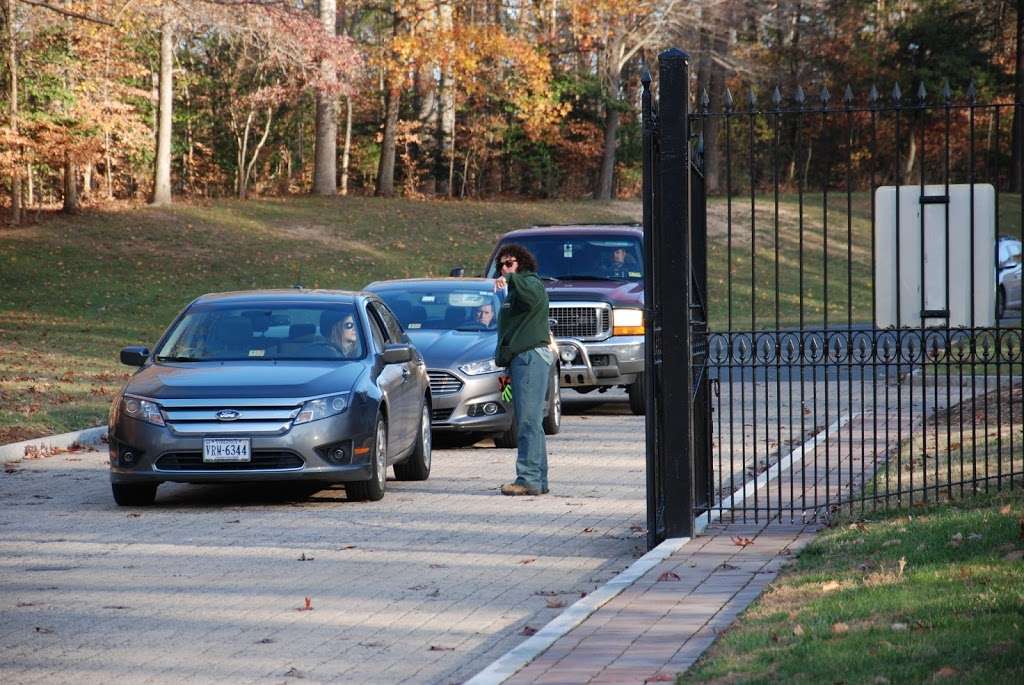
column 484, row 315
column 343, row 334
column 618, row 264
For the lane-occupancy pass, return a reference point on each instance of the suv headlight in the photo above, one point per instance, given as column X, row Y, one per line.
column 479, row 367
column 322, row 408
column 627, row 321
column 143, row 410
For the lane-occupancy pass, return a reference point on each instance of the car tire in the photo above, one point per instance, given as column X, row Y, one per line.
column 372, row 490
column 509, row 439
column 1000, row 303
column 553, row 421
column 417, row 465
column 134, row 494
column 637, row 396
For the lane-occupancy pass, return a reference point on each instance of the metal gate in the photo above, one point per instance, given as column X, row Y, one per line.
column 822, row 332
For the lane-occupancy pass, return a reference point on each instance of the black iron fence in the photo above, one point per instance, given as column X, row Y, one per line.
column 840, row 326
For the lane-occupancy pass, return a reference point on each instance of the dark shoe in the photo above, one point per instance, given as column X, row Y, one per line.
column 544, row 491
column 516, row 489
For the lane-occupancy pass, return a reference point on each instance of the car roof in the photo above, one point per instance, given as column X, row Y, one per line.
column 577, row 229
column 399, row 283
column 281, row 295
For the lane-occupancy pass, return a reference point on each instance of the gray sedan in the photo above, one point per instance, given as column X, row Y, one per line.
column 453, row 324
column 289, row 385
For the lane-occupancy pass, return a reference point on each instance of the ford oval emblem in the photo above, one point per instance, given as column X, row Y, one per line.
column 228, row 415
column 552, row 322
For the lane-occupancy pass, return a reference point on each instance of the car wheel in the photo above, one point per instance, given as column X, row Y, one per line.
column 553, row 421
column 134, row 494
column 637, row 396
column 1000, row 303
column 417, row 466
column 509, row 439
column 373, row 489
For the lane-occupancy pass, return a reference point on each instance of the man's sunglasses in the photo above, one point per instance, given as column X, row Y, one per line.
column 508, row 262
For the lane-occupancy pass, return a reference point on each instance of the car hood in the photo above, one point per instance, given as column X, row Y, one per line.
column 447, row 349
column 244, row 379
column 615, row 293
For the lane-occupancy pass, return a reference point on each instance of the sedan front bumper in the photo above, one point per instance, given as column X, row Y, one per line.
column 463, row 411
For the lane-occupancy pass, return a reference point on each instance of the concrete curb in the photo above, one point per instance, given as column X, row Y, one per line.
column 518, row 657
column 85, row 437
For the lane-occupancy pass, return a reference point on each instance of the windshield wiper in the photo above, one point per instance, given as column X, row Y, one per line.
column 589, row 277
column 172, row 358
column 548, row 278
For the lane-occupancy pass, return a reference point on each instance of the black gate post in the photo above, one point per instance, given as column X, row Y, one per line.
column 670, row 457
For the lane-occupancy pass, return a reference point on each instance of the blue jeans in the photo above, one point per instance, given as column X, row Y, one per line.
column 530, row 372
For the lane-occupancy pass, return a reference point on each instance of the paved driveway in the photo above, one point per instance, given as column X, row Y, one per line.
column 427, row 586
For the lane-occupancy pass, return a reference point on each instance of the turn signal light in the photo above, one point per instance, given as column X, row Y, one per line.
column 628, row 330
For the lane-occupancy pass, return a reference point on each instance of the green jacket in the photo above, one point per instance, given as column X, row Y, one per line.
column 523, row 323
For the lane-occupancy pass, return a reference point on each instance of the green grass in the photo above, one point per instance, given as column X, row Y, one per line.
column 925, row 593
column 74, row 290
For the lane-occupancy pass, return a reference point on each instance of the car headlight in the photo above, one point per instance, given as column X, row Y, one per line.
column 322, row 408
column 627, row 321
column 477, row 368
column 143, row 410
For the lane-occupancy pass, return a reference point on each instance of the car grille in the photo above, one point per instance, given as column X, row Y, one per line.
column 444, row 383
column 261, row 460
column 200, row 417
column 440, row 415
column 580, row 321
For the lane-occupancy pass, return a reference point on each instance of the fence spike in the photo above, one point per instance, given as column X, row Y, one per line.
column 752, row 99
column 700, row 143
column 705, row 100
column 645, row 75
column 728, row 100
column 897, row 94
column 972, row 92
column 776, row 97
column 873, row 94
column 922, row 93
column 825, row 96
column 848, row 95
column 798, row 97
column 947, row 94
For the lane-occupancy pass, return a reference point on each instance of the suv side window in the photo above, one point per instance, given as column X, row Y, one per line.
column 391, row 325
column 376, row 329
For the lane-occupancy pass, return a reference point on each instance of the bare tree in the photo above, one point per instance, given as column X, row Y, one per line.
column 325, row 155
column 162, row 175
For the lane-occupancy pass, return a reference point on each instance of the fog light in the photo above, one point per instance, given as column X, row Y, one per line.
column 490, row 408
column 338, row 454
column 568, row 354
column 128, row 457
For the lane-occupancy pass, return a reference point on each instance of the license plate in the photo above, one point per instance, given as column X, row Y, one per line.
column 226, row 449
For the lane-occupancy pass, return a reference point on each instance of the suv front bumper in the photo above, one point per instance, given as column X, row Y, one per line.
column 615, row 361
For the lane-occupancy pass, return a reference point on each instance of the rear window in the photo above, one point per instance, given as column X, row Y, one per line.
column 265, row 333
column 605, row 258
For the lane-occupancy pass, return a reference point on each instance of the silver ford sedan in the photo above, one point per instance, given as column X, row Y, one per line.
column 273, row 385
column 453, row 323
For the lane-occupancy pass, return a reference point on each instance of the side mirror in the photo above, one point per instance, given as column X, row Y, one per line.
column 457, row 272
column 136, row 355
column 397, row 353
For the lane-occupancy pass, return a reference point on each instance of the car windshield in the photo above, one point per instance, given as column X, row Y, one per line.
column 265, row 332
column 438, row 308
column 602, row 258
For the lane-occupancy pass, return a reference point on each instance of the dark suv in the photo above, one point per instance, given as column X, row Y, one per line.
column 594, row 277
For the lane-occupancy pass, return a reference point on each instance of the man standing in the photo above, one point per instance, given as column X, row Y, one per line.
column 523, row 339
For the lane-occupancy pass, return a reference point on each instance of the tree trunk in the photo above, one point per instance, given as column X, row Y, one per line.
column 31, row 194
column 325, row 154
column 386, row 168
column 162, row 175
column 12, row 71
column 87, row 180
column 612, row 115
column 1016, row 159
column 347, row 150
column 446, row 147
column 72, row 205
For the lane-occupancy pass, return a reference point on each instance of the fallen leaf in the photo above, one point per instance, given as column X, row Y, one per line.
column 555, row 603
column 974, row 536
column 294, row 673
column 588, row 530
column 439, row 648
column 303, row 557
column 903, row 565
column 741, row 541
column 346, row 547
column 438, row 566
column 527, row 561
column 956, row 540
column 528, row 631
column 43, row 630
column 308, row 605
column 265, row 641
column 798, row 630
column 880, row 680
column 840, row 628
column 946, row 672
column 134, row 515
column 1005, row 509
column 830, row 586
